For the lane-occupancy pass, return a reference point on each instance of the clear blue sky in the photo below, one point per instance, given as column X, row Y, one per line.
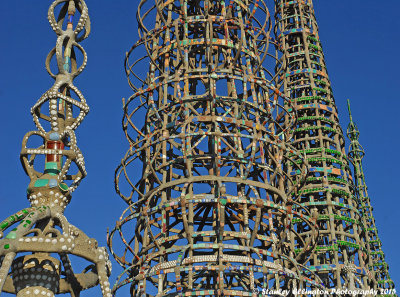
column 360, row 39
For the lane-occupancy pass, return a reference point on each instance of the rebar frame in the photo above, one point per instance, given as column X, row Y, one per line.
column 377, row 263
column 341, row 257
column 44, row 230
column 213, row 212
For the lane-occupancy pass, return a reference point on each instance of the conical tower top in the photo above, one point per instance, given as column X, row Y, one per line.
column 354, row 134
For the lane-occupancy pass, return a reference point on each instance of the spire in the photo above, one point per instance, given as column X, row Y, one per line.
column 43, row 229
column 328, row 188
column 352, row 131
column 349, row 109
column 376, row 263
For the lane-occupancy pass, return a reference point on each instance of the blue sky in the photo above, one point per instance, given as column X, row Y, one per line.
column 359, row 38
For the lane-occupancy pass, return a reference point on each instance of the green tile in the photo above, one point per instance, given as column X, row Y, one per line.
column 41, row 183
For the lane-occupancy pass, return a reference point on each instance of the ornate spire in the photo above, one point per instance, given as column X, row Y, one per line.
column 340, row 258
column 376, row 262
column 43, row 229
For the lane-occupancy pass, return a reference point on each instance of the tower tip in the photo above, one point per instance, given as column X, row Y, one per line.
column 349, row 109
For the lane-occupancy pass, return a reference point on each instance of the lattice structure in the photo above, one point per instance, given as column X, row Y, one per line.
column 377, row 261
column 212, row 211
column 44, row 230
column 341, row 256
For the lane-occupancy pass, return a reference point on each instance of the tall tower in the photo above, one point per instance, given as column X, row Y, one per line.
column 377, row 261
column 210, row 210
column 47, row 155
column 341, row 257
